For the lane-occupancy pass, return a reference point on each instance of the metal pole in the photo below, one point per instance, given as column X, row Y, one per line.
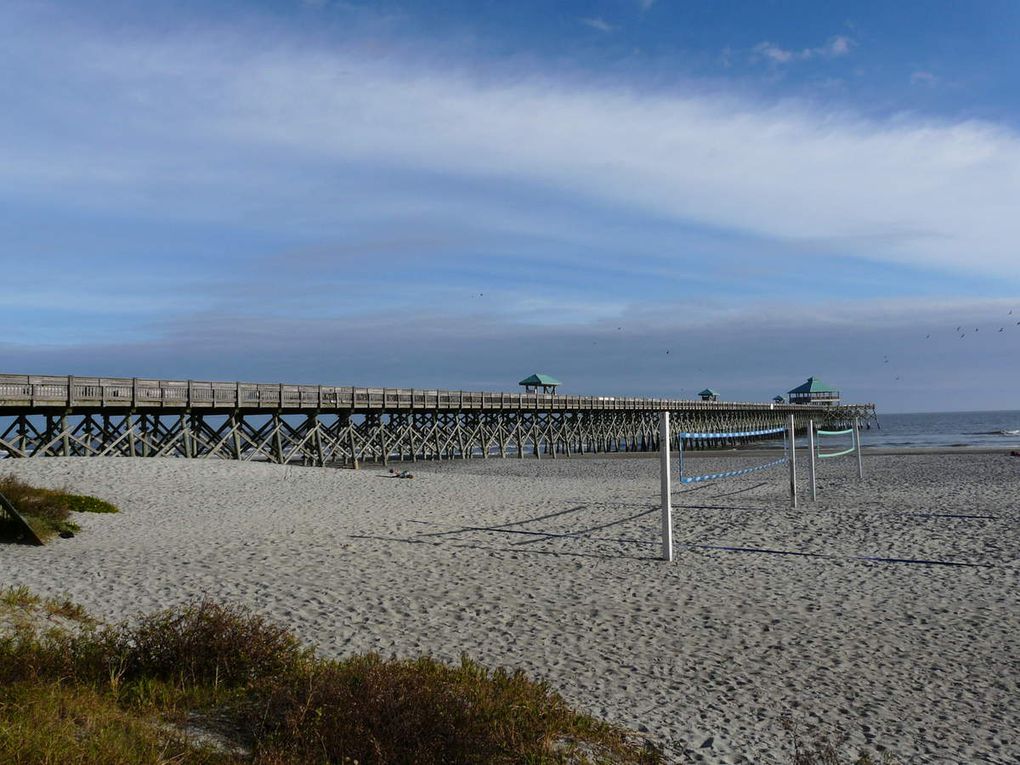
column 811, row 448
column 665, row 487
column 857, row 444
column 793, row 461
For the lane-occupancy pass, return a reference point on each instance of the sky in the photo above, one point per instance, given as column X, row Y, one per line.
column 638, row 197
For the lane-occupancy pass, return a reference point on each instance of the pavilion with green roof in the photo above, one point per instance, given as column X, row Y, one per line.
column 709, row 395
column 545, row 382
column 814, row 391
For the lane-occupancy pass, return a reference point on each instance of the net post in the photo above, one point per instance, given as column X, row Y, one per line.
column 791, row 426
column 665, row 487
column 811, row 462
column 857, row 445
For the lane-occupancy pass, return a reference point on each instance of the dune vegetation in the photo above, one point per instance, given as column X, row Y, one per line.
column 47, row 511
column 207, row 683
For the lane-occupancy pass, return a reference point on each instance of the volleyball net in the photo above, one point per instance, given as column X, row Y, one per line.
column 686, row 435
column 816, row 437
column 665, row 469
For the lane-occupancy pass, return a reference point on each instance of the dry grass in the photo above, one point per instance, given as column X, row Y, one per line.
column 19, row 598
column 828, row 750
column 59, row 723
column 153, row 690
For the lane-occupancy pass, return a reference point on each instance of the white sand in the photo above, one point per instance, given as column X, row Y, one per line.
column 707, row 653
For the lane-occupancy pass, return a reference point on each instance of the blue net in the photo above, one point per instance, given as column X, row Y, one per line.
column 731, row 473
column 734, row 434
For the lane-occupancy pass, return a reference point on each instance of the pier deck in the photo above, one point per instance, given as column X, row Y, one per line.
column 321, row 424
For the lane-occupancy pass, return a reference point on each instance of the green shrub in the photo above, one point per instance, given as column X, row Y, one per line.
column 47, row 511
column 45, row 505
column 372, row 710
column 196, row 644
column 207, row 643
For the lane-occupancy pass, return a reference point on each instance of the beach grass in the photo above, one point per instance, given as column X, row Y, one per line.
column 207, row 683
column 813, row 748
column 47, row 511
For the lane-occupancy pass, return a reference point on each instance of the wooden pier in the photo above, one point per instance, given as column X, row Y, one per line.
column 330, row 425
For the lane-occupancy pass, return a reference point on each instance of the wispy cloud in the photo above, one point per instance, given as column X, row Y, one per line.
column 237, row 125
column 598, row 23
column 397, row 185
column 836, row 47
column 922, row 77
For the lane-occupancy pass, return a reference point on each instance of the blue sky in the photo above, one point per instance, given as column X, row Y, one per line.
column 456, row 194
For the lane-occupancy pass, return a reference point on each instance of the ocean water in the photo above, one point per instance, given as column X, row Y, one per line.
column 935, row 429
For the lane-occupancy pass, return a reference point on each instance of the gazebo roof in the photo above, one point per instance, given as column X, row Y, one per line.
column 537, row 379
column 708, row 392
column 778, row 398
column 813, row 385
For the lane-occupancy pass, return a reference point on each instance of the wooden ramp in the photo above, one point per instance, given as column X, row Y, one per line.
column 26, row 534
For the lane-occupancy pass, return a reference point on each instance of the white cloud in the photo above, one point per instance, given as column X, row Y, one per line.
column 597, row 23
column 834, row 48
column 838, row 46
column 198, row 123
column 922, row 77
column 774, row 52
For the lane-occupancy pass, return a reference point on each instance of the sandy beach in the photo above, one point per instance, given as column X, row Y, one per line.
column 550, row 566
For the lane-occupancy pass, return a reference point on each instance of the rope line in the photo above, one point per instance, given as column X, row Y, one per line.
column 737, row 434
column 732, row 473
column 834, row 432
column 851, row 450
